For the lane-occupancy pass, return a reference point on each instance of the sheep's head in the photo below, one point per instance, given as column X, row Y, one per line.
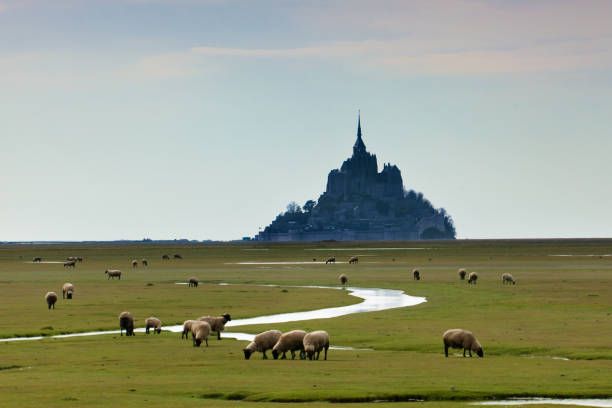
column 275, row 354
column 198, row 342
column 247, row 353
column 479, row 352
column 158, row 329
column 227, row 317
column 309, row 349
column 69, row 294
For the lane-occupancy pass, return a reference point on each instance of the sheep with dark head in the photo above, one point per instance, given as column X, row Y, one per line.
column 51, row 298
column 155, row 323
column 67, row 290
column 416, row 275
column 472, row 278
column 261, row 343
column 187, row 328
column 217, row 323
column 70, row 264
column 353, row 260
column 343, row 279
column 459, row 338
column 165, row 257
column 200, row 331
column 37, row 259
column 193, row 281
column 144, row 262
column 507, row 278
column 291, row 341
column 330, row 260
column 462, row 273
column 126, row 322
column 177, row 256
column 113, row 273
column 314, row 342
column 134, row 263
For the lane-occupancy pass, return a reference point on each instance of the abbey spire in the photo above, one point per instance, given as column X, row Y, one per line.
column 359, row 146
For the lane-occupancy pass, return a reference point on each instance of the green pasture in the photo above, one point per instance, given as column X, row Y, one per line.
column 560, row 309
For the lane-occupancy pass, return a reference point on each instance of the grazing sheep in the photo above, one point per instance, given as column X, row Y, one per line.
column 165, row 257
column 472, row 278
column 187, row 328
column 314, row 259
column 217, row 323
column 70, row 264
column 462, row 273
column 67, row 290
column 144, row 262
column 71, row 258
column 153, row 322
column 80, row 259
column 507, row 278
column 416, row 275
column 113, row 273
column 177, row 256
column 354, row 259
column 51, row 298
column 193, row 281
column 134, row 263
column 37, row 259
column 459, row 338
column 200, row 331
column 316, row 341
column 262, row 342
column 330, row 260
column 343, row 279
column 126, row 322
column 290, row 341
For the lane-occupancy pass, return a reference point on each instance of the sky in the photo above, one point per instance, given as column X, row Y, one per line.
column 202, row 119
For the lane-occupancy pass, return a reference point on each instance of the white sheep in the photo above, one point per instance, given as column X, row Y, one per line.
column 113, row 273
column 200, row 331
column 459, row 338
column 217, row 323
column 186, row 328
column 316, row 341
column 472, row 278
column 126, row 322
column 290, row 341
column 507, row 278
column 67, row 290
column 262, row 342
column 153, row 322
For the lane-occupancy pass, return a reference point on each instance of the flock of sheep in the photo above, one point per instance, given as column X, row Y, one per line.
column 296, row 340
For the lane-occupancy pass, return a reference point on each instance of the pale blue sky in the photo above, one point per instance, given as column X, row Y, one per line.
column 202, row 119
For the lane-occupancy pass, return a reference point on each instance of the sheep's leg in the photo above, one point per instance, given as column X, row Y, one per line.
column 265, row 357
column 302, row 354
column 446, row 350
column 218, row 334
column 470, row 351
column 326, row 352
column 284, row 357
column 206, row 341
column 463, row 352
column 292, row 355
column 318, row 354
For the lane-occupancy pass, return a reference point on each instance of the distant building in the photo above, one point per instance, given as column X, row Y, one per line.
column 362, row 204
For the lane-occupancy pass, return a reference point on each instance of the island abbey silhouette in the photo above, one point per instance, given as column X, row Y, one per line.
column 361, row 203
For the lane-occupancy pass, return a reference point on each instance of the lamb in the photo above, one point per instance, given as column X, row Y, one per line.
column 67, row 290
column 177, row 256
column 459, row 338
column 126, row 321
column 200, row 331
column 507, row 278
column 37, row 259
column 316, row 341
column 193, row 281
column 70, row 264
column 153, row 322
column 262, row 342
column 330, row 260
column 144, row 262
column 290, row 341
column 217, row 323
column 354, row 260
column 462, row 273
column 113, row 273
column 343, row 279
column 51, row 298
column 472, row 278
column 165, row 257
column 416, row 275
column 134, row 263
column 187, row 328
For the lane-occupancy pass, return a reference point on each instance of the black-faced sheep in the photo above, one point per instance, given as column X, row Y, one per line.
column 80, row 259
column 71, row 258
column 472, row 278
column 177, row 256
column 70, row 264
column 316, row 341
column 37, row 259
column 155, row 323
column 343, row 279
column 330, row 260
column 144, row 262
column 113, row 273
column 462, row 273
column 353, row 260
column 67, row 290
column 134, row 263
column 165, row 257
column 507, row 278
column 186, row 328
column 416, row 275
column 217, row 323
column 200, row 331
column 51, row 298
column 459, row 338
column 262, row 342
column 193, row 281
column 126, row 322
column 291, row 341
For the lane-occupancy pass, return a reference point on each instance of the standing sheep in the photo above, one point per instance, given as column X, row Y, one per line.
column 217, row 323
column 67, row 290
column 126, row 322
column 200, row 331
column 290, row 341
column 472, row 278
column 144, row 262
column 193, row 281
column 187, row 328
column 70, row 264
column 262, row 342
column 459, row 338
column 416, row 275
column 462, row 273
column 153, row 322
column 343, row 279
column 316, row 341
column 80, row 259
column 37, row 259
column 177, row 256
column 113, row 273
column 165, row 257
column 134, row 263
column 354, row 260
column 507, row 278
column 51, row 298
column 330, row 260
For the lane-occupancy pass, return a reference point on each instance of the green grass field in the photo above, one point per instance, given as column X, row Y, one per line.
column 561, row 307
